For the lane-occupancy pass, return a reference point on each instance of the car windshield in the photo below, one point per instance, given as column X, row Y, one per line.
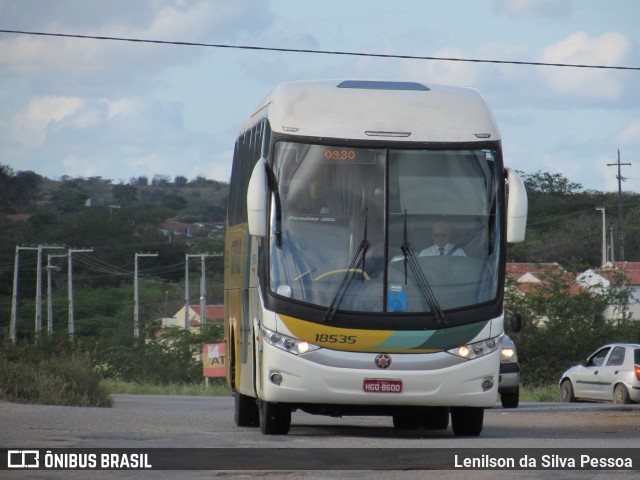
column 375, row 230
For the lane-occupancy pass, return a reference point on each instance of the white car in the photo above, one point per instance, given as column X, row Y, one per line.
column 610, row 374
column 509, row 385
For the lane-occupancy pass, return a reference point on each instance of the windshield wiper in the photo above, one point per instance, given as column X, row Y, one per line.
column 358, row 261
column 411, row 260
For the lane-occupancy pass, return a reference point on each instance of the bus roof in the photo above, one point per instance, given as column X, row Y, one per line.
column 378, row 110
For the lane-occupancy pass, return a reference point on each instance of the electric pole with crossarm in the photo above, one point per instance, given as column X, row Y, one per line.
column 620, row 221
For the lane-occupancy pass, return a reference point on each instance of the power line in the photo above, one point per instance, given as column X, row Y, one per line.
column 318, row 52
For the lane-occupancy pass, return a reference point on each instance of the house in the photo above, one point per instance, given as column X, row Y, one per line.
column 180, row 229
column 17, row 217
column 624, row 274
column 529, row 276
column 171, row 227
column 213, row 313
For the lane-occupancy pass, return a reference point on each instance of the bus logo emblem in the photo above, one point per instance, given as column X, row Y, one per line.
column 383, row 361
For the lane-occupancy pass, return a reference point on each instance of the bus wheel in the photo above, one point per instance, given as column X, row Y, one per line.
column 275, row 418
column 436, row 418
column 467, row 421
column 404, row 421
column 246, row 414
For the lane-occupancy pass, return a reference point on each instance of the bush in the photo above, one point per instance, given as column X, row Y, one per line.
column 34, row 375
column 561, row 326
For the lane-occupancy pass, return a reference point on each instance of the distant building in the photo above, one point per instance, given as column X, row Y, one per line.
column 17, row 217
column 213, row 313
column 171, row 227
column 199, row 229
column 529, row 276
column 620, row 275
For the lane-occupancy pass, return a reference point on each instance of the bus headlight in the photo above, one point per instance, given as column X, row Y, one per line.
column 478, row 349
column 286, row 343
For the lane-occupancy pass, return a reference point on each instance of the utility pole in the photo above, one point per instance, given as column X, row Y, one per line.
column 186, row 291
column 621, row 223
column 186, row 287
column 203, row 291
column 136, row 306
column 604, row 235
column 49, row 294
column 38, row 319
column 71, row 326
column 203, row 286
column 13, row 333
column 612, row 254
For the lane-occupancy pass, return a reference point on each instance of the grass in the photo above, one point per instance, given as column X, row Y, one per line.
column 216, row 388
column 546, row 393
column 64, row 380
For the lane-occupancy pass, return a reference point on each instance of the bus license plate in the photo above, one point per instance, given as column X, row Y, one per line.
column 382, row 385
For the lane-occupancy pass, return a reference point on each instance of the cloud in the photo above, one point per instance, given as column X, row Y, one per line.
column 609, row 49
column 31, row 125
column 630, row 135
column 203, row 21
column 541, row 8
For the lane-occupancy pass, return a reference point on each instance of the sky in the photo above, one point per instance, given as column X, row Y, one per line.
column 122, row 110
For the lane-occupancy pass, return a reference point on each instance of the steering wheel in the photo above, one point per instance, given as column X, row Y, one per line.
column 342, row 270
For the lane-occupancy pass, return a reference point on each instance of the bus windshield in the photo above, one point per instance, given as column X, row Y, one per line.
column 385, row 230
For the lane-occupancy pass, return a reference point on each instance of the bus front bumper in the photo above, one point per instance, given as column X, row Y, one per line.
column 430, row 379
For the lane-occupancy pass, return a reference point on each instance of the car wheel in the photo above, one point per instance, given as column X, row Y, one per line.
column 566, row 392
column 275, row 418
column 467, row 421
column 510, row 399
column 621, row 394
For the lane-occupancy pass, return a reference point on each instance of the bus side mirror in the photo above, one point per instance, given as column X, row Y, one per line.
column 516, row 208
column 257, row 200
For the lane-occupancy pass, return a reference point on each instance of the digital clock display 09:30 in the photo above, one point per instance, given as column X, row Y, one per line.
column 340, row 154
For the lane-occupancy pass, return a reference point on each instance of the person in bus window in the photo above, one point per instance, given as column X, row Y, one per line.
column 441, row 236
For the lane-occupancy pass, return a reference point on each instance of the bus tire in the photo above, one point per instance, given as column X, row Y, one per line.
column 406, row 421
column 275, row 418
column 246, row 411
column 467, row 421
column 436, row 418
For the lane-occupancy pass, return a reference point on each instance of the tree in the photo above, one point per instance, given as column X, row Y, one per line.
column 561, row 323
column 125, row 194
column 70, row 198
column 160, row 180
column 174, row 202
column 545, row 183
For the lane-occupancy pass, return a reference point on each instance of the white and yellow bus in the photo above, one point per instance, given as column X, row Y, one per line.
column 334, row 302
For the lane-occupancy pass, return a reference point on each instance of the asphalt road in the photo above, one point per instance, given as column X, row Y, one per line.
column 143, row 421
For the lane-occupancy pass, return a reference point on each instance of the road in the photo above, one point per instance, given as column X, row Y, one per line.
column 144, row 421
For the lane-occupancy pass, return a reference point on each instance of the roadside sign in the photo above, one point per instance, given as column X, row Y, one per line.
column 213, row 357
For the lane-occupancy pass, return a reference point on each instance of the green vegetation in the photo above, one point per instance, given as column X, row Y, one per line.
column 217, row 388
column 83, row 373
column 546, row 393
column 561, row 326
column 50, row 376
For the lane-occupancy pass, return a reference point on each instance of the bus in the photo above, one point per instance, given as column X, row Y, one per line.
column 334, row 304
